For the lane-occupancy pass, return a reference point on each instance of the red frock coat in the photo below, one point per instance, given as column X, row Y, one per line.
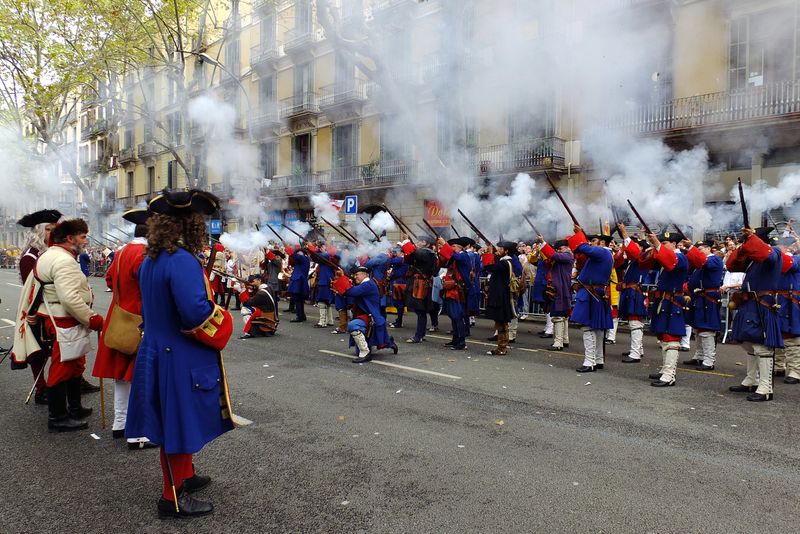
column 110, row 363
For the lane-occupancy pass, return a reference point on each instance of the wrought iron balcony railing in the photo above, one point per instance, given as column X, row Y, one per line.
column 127, row 155
column 300, row 104
column 350, row 92
column 353, row 177
column 148, row 149
column 546, row 152
column 297, row 39
column 264, row 117
column 762, row 102
column 263, row 54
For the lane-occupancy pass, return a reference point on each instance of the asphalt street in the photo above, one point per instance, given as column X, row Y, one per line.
column 428, row 440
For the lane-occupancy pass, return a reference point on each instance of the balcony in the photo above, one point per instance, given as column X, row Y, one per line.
column 99, row 127
column 197, row 134
column 301, row 110
column 298, row 43
column 93, row 167
column 535, row 154
column 264, row 6
column 764, row 104
column 392, row 10
column 342, row 101
column 148, row 150
column 264, row 121
column 127, row 155
column 264, row 58
column 375, row 175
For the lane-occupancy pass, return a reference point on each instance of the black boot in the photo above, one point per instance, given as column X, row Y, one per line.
column 58, row 420
column 76, row 410
column 187, row 506
column 88, row 387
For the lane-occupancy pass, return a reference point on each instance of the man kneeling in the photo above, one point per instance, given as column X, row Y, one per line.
column 258, row 309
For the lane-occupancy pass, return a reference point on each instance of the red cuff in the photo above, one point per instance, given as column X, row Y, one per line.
column 696, row 258
column 270, row 256
column 788, row 261
column 487, row 258
column 215, row 331
column 446, row 251
column 576, row 240
column 311, row 247
column 96, row 322
column 408, row 248
column 755, row 249
column 289, row 250
column 666, row 258
column 548, row 251
column 633, row 250
column 341, row 284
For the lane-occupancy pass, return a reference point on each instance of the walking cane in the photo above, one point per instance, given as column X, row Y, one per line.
column 33, row 387
column 171, row 480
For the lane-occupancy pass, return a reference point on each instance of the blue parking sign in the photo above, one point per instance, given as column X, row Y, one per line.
column 351, row 204
column 215, row 226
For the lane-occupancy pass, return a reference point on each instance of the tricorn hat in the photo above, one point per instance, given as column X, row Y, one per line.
column 763, row 233
column 704, row 244
column 184, row 203
column 426, row 238
column 560, row 243
column 669, row 236
column 360, row 269
column 602, row 237
column 508, row 245
column 278, row 253
column 38, row 217
column 460, row 241
column 137, row 216
column 253, row 277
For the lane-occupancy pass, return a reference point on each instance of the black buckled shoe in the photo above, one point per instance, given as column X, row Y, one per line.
column 661, row 384
column 692, row 361
column 512, row 341
column 65, row 424
column 196, row 483
column 628, row 359
column 118, row 434
column 40, row 398
column 545, row 336
column 599, row 366
column 703, row 367
column 780, row 372
column 556, row 349
column 791, row 380
column 80, row 412
column 449, row 344
column 585, row 369
column 364, row 359
column 654, row 376
column 492, row 338
column 188, row 506
column 759, row 397
column 742, row 389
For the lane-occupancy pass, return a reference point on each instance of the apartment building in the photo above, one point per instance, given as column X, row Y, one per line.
column 728, row 80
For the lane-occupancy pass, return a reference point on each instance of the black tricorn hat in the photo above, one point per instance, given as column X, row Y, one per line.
column 426, row 238
column 763, row 233
column 279, row 253
column 38, row 217
column 253, row 277
column 359, row 269
column 603, row 237
column 704, row 244
column 560, row 243
column 460, row 241
column 184, row 203
column 137, row 216
column 508, row 245
column 669, row 236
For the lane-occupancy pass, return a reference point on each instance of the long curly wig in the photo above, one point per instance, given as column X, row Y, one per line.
column 165, row 232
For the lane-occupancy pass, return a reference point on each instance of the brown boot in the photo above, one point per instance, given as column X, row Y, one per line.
column 502, row 340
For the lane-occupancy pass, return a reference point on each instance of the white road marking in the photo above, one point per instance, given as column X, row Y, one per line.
column 14, row 285
column 8, row 321
column 396, row 366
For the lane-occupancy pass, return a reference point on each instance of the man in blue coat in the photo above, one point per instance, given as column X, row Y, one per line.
column 368, row 328
column 592, row 308
column 631, row 305
column 558, row 288
column 458, row 263
column 398, row 283
column 789, row 299
column 298, row 288
column 667, row 304
column 757, row 322
column 704, row 309
column 378, row 266
column 179, row 395
column 325, row 296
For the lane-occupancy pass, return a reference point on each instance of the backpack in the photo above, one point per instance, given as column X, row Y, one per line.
column 513, row 281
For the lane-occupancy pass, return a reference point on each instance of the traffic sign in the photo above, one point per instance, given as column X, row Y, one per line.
column 215, row 226
column 351, row 204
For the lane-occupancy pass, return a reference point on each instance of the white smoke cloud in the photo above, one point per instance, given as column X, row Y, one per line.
column 323, row 207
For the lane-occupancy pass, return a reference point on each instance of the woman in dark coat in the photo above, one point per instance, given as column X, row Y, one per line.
column 499, row 303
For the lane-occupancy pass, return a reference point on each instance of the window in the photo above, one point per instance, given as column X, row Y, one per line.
column 303, row 79
column 148, row 130
column 172, row 174
column 345, row 146
column 128, row 141
column 267, row 152
column 175, row 126
column 267, row 35
column 758, row 45
column 232, row 58
column 266, row 90
column 345, row 72
column 130, row 184
column 393, row 143
column 151, row 180
column 301, row 154
column 302, row 17
column 150, row 95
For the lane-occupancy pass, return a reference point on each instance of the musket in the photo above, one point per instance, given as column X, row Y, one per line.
column 423, row 229
column 745, row 216
column 102, row 244
column 537, row 232
column 455, row 231
column 563, row 202
column 33, row 387
column 370, row 228
column 644, row 224
column 121, row 230
column 339, row 231
column 403, row 226
column 302, row 239
column 429, row 227
column 475, row 229
column 280, row 239
column 680, row 232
